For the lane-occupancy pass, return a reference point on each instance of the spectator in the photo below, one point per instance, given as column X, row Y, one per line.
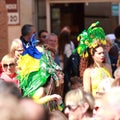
column 57, row 115
column 52, row 41
column 110, row 108
column 9, row 69
column 9, row 88
column 42, row 36
column 16, row 48
column 33, row 111
column 78, row 105
column 10, row 108
column 115, row 50
column 76, row 82
column 26, row 33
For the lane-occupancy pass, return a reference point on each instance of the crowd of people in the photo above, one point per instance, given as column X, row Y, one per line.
column 61, row 77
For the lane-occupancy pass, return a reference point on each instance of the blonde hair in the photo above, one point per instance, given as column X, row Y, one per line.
column 14, row 45
column 6, row 58
column 80, row 97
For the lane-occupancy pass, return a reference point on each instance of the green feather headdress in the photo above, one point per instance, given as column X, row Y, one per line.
column 90, row 39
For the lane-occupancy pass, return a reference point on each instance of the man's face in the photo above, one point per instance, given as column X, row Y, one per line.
column 53, row 41
column 32, row 32
column 105, row 111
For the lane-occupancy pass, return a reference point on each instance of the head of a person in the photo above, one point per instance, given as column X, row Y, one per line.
column 42, row 35
column 117, row 32
column 9, row 88
column 16, row 48
column 78, row 104
column 109, row 43
column 64, row 38
column 27, row 31
column 110, row 105
column 66, row 29
column 52, row 40
column 10, row 108
column 91, row 43
column 75, row 82
column 34, row 111
column 57, row 115
column 8, row 64
column 96, row 55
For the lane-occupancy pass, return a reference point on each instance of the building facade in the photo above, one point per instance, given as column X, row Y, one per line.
column 53, row 15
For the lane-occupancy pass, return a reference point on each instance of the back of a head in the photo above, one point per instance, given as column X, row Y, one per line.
column 75, row 80
column 34, row 111
column 9, row 88
column 57, row 115
column 66, row 29
column 10, row 109
column 26, row 29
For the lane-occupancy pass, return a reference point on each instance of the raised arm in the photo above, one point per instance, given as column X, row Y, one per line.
column 87, row 80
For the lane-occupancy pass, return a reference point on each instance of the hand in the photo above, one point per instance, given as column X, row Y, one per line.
column 55, row 97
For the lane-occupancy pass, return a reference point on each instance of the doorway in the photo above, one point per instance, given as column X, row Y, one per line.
column 67, row 15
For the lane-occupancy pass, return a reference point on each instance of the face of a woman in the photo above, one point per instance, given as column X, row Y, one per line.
column 99, row 55
column 9, row 67
column 72, row 111
column 18, row 51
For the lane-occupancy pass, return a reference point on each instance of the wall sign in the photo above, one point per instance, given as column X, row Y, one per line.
column 13, row 12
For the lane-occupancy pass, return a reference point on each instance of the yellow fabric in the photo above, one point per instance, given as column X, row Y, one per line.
column 98, row 74
column 25, row 63
column 42, row 100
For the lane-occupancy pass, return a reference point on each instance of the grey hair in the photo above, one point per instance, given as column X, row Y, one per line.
column 51, row 34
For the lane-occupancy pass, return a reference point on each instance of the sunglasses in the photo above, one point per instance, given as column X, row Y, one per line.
column 10, row 65
column 71, row 107
column 20, row 50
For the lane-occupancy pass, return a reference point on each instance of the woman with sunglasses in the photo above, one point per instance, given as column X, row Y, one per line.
column 9, row 69
column 79, row 105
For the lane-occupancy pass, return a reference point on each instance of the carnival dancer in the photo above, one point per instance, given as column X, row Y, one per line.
column 36, row 68
column 92, row 42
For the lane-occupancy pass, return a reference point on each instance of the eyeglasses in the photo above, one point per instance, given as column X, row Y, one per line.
column 71, row 107
column 10, row 65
